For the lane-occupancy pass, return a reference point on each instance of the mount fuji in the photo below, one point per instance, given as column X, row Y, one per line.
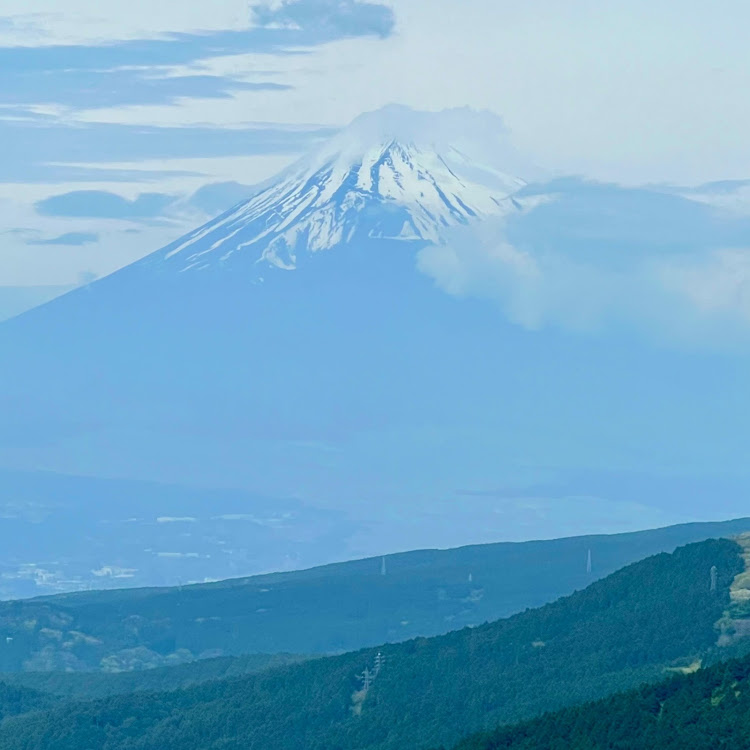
column 293, row 348
column 392, row 175
column 295, row 319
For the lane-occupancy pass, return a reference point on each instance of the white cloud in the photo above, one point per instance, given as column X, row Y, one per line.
column 716, row 283
column 177, row 555
column 174, row 519
column 695, row 296
column 113, row 571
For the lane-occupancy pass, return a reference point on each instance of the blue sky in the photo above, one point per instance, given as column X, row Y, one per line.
column 146, row 105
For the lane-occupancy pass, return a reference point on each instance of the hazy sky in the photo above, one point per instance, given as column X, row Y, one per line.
column 144, row 103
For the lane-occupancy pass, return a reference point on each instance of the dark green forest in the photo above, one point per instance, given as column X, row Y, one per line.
column 90, row 685
column 703, row 711
column 16, row 700
column 632, row 627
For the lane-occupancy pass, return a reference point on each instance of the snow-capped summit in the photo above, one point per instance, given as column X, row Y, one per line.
column 395, row 174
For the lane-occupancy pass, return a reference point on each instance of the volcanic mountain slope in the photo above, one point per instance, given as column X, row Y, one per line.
column 212, row 353
column 293, row 347
column 643, row 622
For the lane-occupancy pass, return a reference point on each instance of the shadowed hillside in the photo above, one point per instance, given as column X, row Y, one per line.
column 701, row 711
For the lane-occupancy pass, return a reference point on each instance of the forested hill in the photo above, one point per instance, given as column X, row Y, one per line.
column 343, row 607
column 90, row 685
column 706, row 710
column 16, row 700
column 631, row 627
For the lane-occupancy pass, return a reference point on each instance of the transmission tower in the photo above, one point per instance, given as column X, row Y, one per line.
column 379, row 661
column 366, row 677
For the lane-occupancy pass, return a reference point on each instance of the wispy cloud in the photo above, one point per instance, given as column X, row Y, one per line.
column 104, row 205
column 137, row 71
column 53, row 152
column 69, row 239
column 207, row 201
column 119, row 87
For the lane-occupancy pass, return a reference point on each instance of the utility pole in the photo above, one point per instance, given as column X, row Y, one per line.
column 382, row 566
column 588, row 562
